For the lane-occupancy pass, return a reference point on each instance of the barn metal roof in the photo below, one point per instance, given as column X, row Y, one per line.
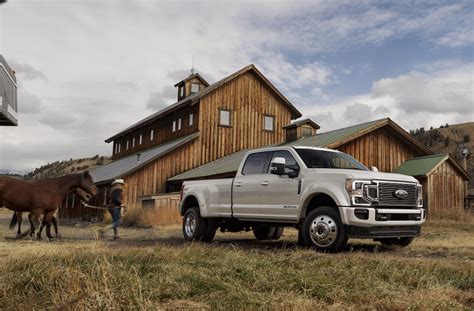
column 424, row 166
column 123, row 166
column 231, row 163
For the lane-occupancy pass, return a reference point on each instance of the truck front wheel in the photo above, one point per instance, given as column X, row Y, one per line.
column 323, row 230
column 194, row 226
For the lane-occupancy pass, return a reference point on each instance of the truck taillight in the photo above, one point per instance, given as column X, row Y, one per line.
column 181, row 192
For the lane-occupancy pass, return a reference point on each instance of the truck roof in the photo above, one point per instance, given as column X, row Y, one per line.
column 289, row 147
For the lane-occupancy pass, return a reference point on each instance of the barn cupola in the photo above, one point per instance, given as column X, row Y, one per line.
column 192, row 84
column 300, row 129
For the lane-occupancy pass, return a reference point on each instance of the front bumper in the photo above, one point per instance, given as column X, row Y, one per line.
column 382, row 222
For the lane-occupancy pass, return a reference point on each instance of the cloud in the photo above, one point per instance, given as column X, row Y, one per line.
column 440, row 91
column 27, row 72
column 30, row 103
column 427, row 98
column 109, row 65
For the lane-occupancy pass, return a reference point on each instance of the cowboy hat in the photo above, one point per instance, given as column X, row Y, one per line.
column 118, row 181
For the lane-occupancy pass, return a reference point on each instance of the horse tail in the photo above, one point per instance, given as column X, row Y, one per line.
column 14, row 221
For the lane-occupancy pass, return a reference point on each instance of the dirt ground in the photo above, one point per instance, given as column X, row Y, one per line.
column 439, row 240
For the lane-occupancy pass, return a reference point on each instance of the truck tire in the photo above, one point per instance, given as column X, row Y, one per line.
column 323, row 230
column 402, row 242
column 262, row 232
column 194, row 226
column 210, row 230
column 278, row 233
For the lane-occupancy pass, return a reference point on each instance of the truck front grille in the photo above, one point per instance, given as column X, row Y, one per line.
column 387, row 196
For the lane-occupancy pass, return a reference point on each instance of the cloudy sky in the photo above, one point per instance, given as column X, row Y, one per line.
column 88, row 69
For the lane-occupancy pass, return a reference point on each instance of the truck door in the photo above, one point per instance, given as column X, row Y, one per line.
column 247, row 185
column 279, row 198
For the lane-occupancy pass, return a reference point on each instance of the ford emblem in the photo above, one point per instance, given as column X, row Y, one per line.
column 401, row 194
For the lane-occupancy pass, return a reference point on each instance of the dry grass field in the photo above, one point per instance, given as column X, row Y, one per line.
column 154, row 269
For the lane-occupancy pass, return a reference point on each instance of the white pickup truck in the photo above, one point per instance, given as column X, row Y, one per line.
column 326, row 194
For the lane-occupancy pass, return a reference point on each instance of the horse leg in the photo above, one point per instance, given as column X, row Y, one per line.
column 43, row 223
column 55, row 224
column 32, row 224
column 19, row 215
column 47, row 220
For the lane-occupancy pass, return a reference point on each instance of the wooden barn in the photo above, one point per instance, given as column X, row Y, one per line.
column 207, row 131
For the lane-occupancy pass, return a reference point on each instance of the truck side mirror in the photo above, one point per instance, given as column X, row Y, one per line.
column 374, row 169
column 277, row 166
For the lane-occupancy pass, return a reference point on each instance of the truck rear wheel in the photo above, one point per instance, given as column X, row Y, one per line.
column 262, row 232
column 194, row 226
column 323, row 230
column 278, row 233
column 402, row 242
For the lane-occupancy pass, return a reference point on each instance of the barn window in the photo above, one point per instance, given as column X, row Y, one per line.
column 179, row 124
column 140, row 139
column 126, row 145
column 194, row 88
column 268, row 123
column 224, row 117
column 133, row 142
column 119, row 147
column 152, row 132
column 174, row 126
column 306, row 131
column 181, row 92
column 191, row 119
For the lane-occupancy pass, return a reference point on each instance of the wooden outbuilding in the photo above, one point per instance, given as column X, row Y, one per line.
column 443, row 181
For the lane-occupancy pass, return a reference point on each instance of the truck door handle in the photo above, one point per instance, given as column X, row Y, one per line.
column 238, row 184
column 264, row 183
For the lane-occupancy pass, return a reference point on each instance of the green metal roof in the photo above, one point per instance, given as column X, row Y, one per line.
column 328, row 138
column 421, row 166
column 223, row 165
column 231, row 163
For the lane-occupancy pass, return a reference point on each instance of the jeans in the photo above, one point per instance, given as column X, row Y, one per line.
column 116, row 215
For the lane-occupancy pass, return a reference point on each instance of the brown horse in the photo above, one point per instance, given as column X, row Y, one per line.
column 17, row 217
column 42, row 198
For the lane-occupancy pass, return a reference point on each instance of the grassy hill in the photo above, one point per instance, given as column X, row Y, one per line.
column 60, row 168
column 450, row 139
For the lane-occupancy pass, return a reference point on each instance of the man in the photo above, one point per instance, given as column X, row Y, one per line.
column 114, row 206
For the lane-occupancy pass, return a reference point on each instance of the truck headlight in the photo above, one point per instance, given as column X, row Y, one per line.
column 355, row 189
column 419, row 198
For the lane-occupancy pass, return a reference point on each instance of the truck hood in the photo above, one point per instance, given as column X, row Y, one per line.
column 365, row 175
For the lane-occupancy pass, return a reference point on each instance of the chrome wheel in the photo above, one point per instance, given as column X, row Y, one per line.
column 190, row 225
column 323, row 230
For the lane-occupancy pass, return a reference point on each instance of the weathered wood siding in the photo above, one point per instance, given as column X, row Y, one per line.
column 162, row 132
column 72, row 209
column 379, row 148
column 248, row 100
column 445, row 192
column 151, row 179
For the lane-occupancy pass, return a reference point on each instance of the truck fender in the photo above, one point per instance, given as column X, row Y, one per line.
column 338, row 195
column 200, row 199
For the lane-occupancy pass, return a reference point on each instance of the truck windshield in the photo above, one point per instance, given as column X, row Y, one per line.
column 328, row 159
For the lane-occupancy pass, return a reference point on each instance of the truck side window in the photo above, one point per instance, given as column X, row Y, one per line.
column 257, row 163
column 290, row 161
